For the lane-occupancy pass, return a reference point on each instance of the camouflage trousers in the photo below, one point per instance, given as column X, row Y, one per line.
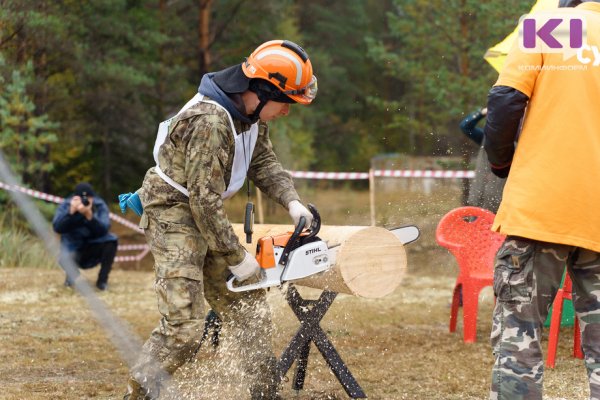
column 187, row 273
column 527, row 276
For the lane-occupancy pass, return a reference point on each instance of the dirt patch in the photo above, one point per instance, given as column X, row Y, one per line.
column 397, row 347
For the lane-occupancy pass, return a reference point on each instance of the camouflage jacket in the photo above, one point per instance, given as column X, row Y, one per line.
column 198, row 154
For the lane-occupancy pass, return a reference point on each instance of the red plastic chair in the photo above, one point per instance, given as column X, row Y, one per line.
column 466, row 233
column 564, row 293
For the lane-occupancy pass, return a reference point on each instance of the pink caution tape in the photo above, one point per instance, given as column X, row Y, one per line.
column 57, row 199
column 384, row 173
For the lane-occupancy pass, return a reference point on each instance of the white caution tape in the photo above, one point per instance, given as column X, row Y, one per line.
column 129, row 247
column 399, row 173
column 125, row 222
column 137, row 257
column 330, row 175
column 384, row 173
column 57, row 199
column 32, row 193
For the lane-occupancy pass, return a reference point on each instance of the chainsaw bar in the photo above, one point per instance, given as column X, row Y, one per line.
column 407, row 234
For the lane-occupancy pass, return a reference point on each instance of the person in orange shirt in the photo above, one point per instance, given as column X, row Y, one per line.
column 549, row 209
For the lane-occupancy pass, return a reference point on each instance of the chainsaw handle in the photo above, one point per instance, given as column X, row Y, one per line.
column 249, row 221
column 292, row 240
column 244, row 288
column 315, row 226
column 230, row 284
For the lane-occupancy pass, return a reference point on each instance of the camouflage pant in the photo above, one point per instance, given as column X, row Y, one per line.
column 187, row 273
column 526, row 278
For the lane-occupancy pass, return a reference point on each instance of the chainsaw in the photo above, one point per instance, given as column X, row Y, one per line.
column 301, row 253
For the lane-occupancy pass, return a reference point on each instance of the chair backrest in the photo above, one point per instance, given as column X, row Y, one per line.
column 567, row 285
column 466, row 233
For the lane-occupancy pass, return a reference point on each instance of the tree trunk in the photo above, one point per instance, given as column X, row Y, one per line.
column 204, row 58
column 162, row 7
column 464, row 69
column 106, row 160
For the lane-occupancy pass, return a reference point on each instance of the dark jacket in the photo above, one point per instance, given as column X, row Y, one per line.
column 506, row 107
column 469, row 127
column 485, row 190
column 76, row 231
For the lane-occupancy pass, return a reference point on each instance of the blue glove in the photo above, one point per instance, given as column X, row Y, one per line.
column 131, row 200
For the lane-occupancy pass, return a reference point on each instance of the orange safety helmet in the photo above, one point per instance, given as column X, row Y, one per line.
column 286, row 65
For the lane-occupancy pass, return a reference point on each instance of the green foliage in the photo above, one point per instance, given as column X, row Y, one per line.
column 343, row 123
column 24, row 136
column 293, row 140
column 434, row 52
column 85, row 84
column 19, row 248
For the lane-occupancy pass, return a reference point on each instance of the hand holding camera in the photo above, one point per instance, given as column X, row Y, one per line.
column 83, row 205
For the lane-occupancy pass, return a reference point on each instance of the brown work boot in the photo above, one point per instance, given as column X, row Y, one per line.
column 135, row 391
column 269, row 394
column 266, row 384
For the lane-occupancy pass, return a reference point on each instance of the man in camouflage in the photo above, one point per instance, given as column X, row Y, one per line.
column 549, row 208
column 526, row 279
column 200, row 162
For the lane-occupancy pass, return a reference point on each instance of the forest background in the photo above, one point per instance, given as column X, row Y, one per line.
column 83, row 85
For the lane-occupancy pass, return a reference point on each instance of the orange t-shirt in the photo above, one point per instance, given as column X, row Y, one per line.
column 553, row 189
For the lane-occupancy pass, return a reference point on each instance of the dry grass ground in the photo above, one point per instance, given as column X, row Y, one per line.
column 397, row 347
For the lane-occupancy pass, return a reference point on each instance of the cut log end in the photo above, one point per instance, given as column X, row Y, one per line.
column 370, row 263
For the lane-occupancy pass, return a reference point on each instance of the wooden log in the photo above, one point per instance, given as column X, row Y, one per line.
column 370, row 261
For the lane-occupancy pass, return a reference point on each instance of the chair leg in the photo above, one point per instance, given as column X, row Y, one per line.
column 456, row 295
column 554, row 329
column 470, row 308
column 577, row 352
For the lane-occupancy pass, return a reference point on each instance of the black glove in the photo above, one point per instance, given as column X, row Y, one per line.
column 500, row 172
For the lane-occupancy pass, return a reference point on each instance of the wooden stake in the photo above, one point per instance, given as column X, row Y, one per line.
column 259, row 206
column 372, row 195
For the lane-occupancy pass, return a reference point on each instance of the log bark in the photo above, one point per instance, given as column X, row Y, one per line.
column 370, row 261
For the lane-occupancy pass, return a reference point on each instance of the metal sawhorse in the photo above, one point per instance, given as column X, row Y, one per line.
column 310, row 313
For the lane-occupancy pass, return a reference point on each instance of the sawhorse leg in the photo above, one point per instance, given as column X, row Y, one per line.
column 301, row 366
column 310, row 330
column 212, row 322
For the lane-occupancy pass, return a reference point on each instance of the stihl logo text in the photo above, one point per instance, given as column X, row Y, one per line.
column 312, row 251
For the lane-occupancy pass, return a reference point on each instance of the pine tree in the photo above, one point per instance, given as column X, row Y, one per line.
column 436, row 52
column 24, row 136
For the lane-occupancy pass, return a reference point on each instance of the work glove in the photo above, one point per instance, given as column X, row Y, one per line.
column 246, row 269
column 297, row 210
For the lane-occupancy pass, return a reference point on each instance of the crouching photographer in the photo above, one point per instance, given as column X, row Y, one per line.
column 82, row 220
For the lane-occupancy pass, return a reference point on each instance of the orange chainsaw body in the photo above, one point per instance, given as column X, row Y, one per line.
column 288, row 256
column 265, row 248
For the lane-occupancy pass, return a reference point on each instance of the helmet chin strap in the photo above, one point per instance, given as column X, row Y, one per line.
column 263, row 102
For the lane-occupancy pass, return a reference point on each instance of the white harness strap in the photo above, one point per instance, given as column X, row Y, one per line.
column 244, row 147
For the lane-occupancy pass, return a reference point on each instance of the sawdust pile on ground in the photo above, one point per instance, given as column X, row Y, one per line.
column 397, row 347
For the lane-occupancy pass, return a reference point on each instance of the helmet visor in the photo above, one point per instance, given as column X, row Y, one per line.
column 309, row 92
